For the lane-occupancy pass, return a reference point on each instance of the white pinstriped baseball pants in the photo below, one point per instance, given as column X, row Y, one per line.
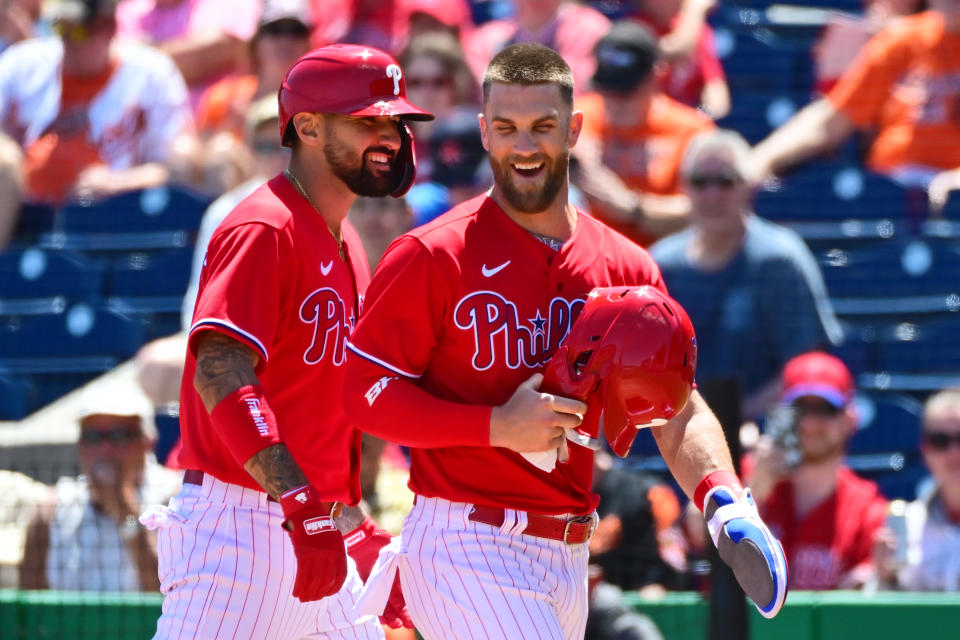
column 227, row 570
column 472, row 581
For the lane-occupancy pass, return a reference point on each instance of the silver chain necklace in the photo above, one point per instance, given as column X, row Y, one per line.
column 299, row 187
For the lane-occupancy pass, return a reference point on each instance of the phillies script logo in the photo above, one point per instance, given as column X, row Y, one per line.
column 325, row 310
column 497, row 329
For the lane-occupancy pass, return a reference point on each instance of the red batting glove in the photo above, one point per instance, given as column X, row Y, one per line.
column 318, row 545
column 363, row 545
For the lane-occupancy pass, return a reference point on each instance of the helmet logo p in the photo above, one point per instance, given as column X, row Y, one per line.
column 393, row 71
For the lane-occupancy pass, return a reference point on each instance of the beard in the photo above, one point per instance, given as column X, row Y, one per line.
column 530, row 198
column 354, row 170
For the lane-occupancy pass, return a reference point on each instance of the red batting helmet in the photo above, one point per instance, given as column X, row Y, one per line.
column 353, row 80
column 635, row 348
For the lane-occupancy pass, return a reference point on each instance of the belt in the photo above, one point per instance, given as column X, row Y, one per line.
column 193, row 476
column 574, row 530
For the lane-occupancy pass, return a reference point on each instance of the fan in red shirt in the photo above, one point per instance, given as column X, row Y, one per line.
column 459, row 321
column 825, row 515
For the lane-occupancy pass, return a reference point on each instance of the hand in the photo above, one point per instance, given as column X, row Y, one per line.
column 940, row 187
column 884, row 560
column 318, row 545
column 534, row 421
column 363, row 545
column 770, row 466
column 96, row 182
column 747, row 546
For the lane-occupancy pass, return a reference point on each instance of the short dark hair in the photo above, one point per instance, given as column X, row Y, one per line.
column 529, row 64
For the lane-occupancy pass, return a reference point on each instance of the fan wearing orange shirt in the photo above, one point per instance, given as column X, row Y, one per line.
column 633, row 138
column 904, row 88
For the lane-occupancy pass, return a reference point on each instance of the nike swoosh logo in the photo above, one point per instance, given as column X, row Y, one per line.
column 494, row 271
column 325, row 268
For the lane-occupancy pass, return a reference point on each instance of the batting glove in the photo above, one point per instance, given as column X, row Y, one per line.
column 363, row 545
column 318, row 545
column 747, row 546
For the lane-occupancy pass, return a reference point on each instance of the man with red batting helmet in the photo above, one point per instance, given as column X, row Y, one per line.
column 256, row 543
column 461, row 317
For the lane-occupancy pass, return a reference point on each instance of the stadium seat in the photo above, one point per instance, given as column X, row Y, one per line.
column 759, row 59
column 33, row 220
column 16, row 394
column 828, row 192
column 928, row 347
column 754, row 114
column 81, row 331
column 36, row 273
column 157, row 209
column 887, row 422
column 159, row 273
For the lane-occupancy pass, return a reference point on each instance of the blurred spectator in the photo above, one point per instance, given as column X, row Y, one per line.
column 610, row 618
column 18, row 21
column 692, row 72
column 87, row 537
column 929, row 541
column 845, row 34
column 459, row 171
column 901, row 88
column 207, row 39
column 428, row 16
column 752, row 288
column 825, row 515
column 437, row 76
column 94, row 116
column 160, row 363
column 633, row 138
column 637, row 541
column 11, row 187
column 282, row 36
column 569, row 28
column 379, row 222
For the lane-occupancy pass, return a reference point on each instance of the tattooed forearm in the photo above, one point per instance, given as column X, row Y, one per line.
column 275, row 470
column 223, row 366
column 349, row 519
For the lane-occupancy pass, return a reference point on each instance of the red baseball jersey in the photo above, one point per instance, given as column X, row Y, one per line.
column 274, row 280
column 459, row 313
column 834, row 538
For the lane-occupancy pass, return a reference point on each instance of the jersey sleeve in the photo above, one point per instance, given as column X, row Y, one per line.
column 403, row 318
column 863, row 90
column 238, row 294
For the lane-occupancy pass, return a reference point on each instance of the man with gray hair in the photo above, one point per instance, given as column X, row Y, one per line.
column 87, row 536
column 752, row 288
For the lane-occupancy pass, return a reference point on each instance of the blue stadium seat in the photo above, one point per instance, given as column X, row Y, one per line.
column 16, row 393
column 888, row 422
column 827, row 192
column 929, row 347
column 168, row 433
column 143, row 274
column 33, row 220
column 906, row 275
column 754, row 114
column 81, row 331
column 36, row 273
column 157, row 209
column 759, row 59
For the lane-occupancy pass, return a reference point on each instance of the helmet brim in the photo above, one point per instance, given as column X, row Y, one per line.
column 397, row 106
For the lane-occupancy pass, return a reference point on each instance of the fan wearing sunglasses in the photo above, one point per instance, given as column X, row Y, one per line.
column 752, row 288
column 930, row 544
column 87, row 537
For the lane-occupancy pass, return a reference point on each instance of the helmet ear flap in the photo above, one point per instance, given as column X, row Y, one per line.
column 407, row 158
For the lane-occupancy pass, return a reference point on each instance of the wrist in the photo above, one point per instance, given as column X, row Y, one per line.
column 364, row 531
column 721, row 478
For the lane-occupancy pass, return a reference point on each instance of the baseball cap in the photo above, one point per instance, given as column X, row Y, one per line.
column 625, row 56
column 118, row 398
column 280, row 10
column 817, row 374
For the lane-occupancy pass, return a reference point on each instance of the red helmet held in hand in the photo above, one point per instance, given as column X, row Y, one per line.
column 634, row 347
column 352, row 80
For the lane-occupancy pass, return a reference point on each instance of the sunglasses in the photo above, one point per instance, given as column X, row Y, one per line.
column 113, row 436
column 940, row 441
column 822, row 409
column 82, row 31
column 702, row 181
column 436, row 82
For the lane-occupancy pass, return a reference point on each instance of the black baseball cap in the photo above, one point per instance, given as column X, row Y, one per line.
column 625, row 56
column 456, row 148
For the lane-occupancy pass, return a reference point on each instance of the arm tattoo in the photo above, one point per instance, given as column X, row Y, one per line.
column 275, row 470
column 223, row 366
column 349, row 519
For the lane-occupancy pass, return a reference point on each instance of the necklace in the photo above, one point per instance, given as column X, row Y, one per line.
column 299, row 187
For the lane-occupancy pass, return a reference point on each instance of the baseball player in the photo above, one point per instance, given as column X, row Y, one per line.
column 252, row 545
column 460, row 318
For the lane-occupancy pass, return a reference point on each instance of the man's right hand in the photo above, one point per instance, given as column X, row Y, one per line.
column 317, row 543
column 533, row 421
